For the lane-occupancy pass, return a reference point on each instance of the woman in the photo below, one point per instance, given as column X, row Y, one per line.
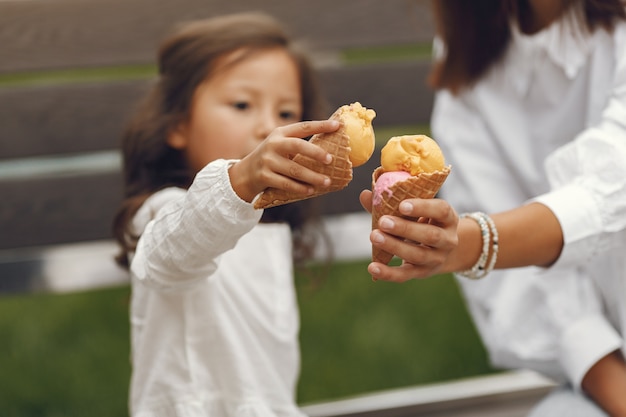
column 530, row 112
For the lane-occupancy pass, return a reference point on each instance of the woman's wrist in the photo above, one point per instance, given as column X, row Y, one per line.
column 469, row 247
column 478, row 245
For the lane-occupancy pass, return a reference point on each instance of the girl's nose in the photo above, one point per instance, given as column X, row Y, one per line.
column 266, row 122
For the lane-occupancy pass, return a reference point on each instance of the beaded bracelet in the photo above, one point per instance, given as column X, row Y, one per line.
column 494, row 243
column 489, row 235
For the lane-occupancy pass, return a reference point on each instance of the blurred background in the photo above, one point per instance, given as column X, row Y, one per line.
column 70, row 71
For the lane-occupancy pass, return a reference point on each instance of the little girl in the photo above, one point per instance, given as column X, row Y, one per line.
column 214, row 314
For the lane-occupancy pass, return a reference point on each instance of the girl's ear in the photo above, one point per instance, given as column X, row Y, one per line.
column 177, row 138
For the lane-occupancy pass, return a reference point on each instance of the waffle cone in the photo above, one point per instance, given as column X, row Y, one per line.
column 339, row 171
column 425, row 185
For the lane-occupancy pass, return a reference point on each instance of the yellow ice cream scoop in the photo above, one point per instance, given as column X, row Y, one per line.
column 358, row 126
column 412, row 153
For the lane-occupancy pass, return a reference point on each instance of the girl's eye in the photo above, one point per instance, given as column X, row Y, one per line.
column 241, row 105
column 287, row 115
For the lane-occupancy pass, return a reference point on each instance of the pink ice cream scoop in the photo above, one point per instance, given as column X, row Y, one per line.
column 384, row 182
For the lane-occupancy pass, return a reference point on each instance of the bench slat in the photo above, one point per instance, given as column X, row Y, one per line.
column 397, row 91
column 66, row 118
column 80, row 207
column 58, row 210
column 87, row 117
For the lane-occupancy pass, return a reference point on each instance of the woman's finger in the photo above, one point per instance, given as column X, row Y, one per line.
column 366, row 200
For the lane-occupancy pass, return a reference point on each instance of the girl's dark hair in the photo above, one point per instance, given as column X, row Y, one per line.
column 185, row 59
column 476, row 33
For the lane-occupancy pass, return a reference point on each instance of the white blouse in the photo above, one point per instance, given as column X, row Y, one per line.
column 214, row 317
column 548, row 124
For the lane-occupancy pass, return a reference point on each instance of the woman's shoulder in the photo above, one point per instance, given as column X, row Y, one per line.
column 619, row 36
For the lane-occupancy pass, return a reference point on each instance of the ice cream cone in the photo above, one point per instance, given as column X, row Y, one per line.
column 424, row 185
column 339, row 171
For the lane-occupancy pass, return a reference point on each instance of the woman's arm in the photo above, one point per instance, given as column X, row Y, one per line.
column 605, row 383
column 528, row 235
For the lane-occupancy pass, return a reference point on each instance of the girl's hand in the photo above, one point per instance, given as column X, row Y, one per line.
column 270, row 164
column 425, row 243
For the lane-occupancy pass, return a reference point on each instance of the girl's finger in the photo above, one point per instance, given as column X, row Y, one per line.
column 308, row 128
column 284, row 182
column 305, row 129
column 297, row 172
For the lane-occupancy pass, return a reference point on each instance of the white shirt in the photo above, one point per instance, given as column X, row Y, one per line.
column 550, row 121
column 214, row 316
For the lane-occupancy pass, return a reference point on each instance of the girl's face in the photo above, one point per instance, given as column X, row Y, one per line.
column 236, row 108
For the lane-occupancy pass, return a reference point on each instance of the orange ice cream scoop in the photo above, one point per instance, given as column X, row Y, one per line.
column 358, row 124
column 414, row 154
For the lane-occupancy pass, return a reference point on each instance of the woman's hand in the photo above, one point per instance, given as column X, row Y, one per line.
column 271, row 163
column 425, row 243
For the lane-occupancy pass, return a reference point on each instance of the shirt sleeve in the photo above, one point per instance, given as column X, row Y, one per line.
column 590, row 209
column 187, row 233
column 589, row 193
column 588, row 196
column 588, row 178
column 547, row 320
column 583, row 343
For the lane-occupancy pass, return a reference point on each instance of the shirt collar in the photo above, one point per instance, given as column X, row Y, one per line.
column 565, row 42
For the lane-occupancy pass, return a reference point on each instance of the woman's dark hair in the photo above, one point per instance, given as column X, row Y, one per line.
column 185, row 59
column 476, row 33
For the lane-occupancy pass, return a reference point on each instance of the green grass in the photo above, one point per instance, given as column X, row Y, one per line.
column 360, row 336
column 64, row 355
column 67, row 355
column 77, row 75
